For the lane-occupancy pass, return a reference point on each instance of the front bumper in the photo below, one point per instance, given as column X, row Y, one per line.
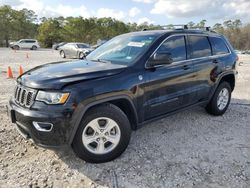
column 58, row 116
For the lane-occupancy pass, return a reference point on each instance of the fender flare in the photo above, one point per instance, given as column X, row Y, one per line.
column 83, row 108
column 218, row 82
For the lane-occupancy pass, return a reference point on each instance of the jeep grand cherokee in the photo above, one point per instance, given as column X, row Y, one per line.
column 93, row 104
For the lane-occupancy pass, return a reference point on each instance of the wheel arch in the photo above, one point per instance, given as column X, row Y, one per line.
column 230, row 78
column 123, row 102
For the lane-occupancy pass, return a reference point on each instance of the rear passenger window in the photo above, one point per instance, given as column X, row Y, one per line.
column 30, row 41
column 176, row 47
column 218, row 46
column 200, row 46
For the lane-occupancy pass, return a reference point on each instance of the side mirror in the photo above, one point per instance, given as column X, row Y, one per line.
column 160, row 58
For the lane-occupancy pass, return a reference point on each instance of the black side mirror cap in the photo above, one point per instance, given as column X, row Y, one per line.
column 160, row 58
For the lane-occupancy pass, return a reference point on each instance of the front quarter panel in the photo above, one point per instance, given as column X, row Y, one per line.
column 98, row 91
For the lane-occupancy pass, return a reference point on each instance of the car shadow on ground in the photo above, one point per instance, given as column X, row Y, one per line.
column 186, row 149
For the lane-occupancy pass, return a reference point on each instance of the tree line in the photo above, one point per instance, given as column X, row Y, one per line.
column 24, row 23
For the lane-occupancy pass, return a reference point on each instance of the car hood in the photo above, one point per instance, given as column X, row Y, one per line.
column 56, row 75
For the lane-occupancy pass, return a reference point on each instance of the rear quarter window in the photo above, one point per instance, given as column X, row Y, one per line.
column 200, row 46
column 218, row 46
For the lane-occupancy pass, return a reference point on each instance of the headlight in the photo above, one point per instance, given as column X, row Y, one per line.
column 52, row 97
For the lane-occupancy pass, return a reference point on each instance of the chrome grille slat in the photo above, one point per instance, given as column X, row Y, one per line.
column 29, row 98
column 24, row 96
column 19, row 93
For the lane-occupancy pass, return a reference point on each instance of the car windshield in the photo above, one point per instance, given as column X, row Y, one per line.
column 82, row 45
column 123, row 49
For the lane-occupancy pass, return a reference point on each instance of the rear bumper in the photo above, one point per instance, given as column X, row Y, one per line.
column 56, row 136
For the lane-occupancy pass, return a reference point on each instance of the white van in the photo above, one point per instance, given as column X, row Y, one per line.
column 25, row 43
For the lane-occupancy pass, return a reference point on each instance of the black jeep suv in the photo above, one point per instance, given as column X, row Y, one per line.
column 93, row 104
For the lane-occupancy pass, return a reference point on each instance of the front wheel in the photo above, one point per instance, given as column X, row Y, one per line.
column 221, row 100
column 81, row 55
column 103, row 134
column 16, row 47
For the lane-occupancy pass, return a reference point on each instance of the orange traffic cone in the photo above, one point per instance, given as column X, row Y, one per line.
column 27, row 55
column 9, row 73
column 20, row 70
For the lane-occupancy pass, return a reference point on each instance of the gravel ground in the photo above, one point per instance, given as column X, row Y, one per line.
column 188, row 149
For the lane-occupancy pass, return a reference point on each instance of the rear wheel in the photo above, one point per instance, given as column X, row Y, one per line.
column 103, row 134
column 62, row 54
column 221, row 100
column 34, row 48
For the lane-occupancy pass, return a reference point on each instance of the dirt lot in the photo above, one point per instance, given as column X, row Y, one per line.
column 189, row 149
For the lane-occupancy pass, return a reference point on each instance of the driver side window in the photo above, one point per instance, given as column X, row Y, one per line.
column 176, row 47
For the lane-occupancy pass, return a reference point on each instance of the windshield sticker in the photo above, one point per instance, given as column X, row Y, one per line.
column 136, row 44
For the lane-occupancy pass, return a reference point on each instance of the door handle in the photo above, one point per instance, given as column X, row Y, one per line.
column 186, row 67
column 215, row 61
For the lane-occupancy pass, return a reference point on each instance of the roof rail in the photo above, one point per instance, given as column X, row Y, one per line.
column 200, row 27
column 203, row 28
column 184, row 26
column 180, row 26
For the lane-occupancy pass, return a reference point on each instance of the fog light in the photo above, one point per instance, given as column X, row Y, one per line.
column 43, row 126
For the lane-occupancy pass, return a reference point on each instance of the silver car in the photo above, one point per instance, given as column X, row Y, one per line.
column 25, row 43
column 75, row 50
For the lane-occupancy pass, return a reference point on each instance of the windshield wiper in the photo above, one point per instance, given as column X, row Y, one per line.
column 101, row 60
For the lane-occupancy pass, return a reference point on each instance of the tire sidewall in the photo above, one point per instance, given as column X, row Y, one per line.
column 16, row 47
column 81, row 55
column 223, row 85
column 34, row 48
column 120, row 118
column 62, row 54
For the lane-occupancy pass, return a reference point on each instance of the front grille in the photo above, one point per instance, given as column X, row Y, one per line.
column 24, row 96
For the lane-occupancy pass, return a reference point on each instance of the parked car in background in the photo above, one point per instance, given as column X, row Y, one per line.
column 25, row 43
column 246, row 52
column 238, row 51
column 56, row 46
column 75, row 50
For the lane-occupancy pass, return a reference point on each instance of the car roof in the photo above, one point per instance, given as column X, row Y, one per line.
column 28, row 39
column 174, row 31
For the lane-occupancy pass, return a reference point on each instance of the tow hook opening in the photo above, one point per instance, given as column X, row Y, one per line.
column 43, row 126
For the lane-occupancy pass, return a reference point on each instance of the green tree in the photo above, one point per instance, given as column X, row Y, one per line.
column 16, row 24
column 202, row 23
column 49, row 32
column 218, row 27
column 6, row 22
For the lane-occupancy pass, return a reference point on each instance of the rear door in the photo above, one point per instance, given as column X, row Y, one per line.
column 30, row 43
column 67, row 49
column 169, row 87
column 205, row 64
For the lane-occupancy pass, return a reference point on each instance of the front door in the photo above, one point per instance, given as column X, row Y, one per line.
column 169, row 87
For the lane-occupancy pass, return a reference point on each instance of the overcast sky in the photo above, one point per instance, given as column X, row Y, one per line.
column 153, row 11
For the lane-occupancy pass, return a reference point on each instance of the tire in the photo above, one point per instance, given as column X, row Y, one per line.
column 81, row 55
column 100, row 114
column 16, row 47
column 34, row 48
column 215, row 107
column 62, row 54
